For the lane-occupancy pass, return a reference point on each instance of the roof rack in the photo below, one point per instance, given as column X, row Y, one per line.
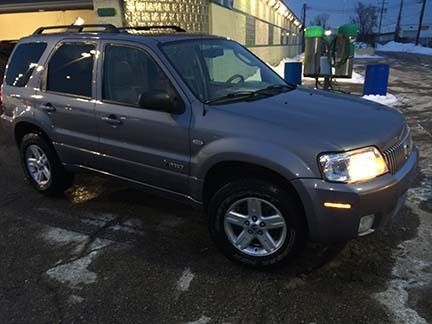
column 107, row 28
column 149, row 28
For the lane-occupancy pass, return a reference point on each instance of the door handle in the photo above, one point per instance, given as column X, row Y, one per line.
column 48, row 107
column 112, row 120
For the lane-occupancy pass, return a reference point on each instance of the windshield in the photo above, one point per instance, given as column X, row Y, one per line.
column 217, row 68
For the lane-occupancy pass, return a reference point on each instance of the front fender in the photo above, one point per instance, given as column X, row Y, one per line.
column 264, row 154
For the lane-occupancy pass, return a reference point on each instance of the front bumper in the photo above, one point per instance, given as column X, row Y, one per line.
column 382, row 197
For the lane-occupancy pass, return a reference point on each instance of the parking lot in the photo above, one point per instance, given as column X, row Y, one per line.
column 106, row 253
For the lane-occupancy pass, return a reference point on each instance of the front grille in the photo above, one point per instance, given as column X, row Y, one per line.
column 397, row 155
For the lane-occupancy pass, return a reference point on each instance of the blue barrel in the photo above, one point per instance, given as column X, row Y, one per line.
column 376, row 80
column 293, row 72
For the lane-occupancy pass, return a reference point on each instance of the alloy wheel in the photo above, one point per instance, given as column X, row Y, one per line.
column 38, row 165
column 255, row 227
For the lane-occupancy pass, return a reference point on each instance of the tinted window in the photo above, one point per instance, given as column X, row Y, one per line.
column 23, row 62
column 129, row 74
column 70, row 69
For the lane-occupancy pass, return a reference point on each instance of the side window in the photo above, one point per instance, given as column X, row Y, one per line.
column 23, row 62
column 129, row 74
column 190, row 68
column 70, row 69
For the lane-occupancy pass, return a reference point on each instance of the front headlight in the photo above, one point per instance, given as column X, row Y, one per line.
column 353, row 166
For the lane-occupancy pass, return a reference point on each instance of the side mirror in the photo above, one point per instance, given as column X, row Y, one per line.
column 161, row 101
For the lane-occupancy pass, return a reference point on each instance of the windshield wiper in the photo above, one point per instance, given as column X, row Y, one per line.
column 231, row 96
column 276, row 88
column 246, row 95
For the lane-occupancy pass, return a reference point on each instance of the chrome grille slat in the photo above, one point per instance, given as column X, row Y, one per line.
column 395, row 156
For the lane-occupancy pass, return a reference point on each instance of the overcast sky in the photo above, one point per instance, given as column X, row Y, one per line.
column 341, row 10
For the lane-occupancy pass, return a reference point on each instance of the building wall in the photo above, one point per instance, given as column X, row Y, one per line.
column 13, row 26
column 115, row 17
column 262, row 29
column 192, row 15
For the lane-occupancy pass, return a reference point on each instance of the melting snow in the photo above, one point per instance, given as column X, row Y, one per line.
column 202, row 320
column 367, row 56
column 185, row 280
column 388, row 100
column 74, row 272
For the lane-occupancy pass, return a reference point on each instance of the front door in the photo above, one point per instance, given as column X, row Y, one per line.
column 135, row 142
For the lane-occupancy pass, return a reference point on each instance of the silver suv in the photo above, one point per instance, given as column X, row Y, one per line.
column 202, row 120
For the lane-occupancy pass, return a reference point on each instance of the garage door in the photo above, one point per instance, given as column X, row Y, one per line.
column 21, row 18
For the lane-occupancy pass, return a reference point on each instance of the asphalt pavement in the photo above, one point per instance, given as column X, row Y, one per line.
column 106, row 253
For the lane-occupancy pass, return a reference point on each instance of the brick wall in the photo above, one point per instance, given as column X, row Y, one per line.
column 191, row 15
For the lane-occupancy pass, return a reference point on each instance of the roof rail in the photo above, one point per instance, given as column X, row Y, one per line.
column 149, row 28
column 107, row 28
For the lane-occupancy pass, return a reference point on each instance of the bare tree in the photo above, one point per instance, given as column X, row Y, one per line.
column 366, row 18
column 321, row 20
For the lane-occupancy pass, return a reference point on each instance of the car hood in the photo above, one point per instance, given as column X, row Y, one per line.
column 347, row 121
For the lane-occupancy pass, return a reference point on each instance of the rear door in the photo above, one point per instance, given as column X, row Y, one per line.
column 65, row 100
column 137, row 143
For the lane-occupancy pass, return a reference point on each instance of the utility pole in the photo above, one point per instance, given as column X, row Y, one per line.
column 398, row 24
column 420, row 21
column 383, row 3
column 304, row 25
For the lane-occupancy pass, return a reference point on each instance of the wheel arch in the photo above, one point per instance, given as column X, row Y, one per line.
column 222, row 172
column 23, row 128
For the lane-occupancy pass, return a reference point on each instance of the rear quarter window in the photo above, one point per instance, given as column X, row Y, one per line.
column 24, row 60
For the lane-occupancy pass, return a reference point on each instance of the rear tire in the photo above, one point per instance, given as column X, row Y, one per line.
column 249, row 205
column 42, row 167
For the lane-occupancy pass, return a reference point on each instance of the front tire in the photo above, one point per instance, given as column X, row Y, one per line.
column 42, row 167
column 256, row 223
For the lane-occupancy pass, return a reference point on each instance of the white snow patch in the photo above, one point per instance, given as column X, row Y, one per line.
column 367, row 56
column 75, row 272
column 100, row 220
column 388, row 100
column 75, row 299
column 185, row 280
column 202, row 320
column 61, row 237
column 404, row 48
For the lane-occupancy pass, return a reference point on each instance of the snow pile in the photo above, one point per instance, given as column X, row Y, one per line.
column 367, row 56
column 404, row 48
column 388, row 100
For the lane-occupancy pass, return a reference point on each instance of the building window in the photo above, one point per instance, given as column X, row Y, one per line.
column 284, row 37
column 250, row 31
column 271, row 32
column 225, row 3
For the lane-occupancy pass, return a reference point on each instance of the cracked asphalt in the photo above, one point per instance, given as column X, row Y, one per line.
column 106, row 253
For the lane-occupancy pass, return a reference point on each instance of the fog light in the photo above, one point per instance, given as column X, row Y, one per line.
column 366, row 223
